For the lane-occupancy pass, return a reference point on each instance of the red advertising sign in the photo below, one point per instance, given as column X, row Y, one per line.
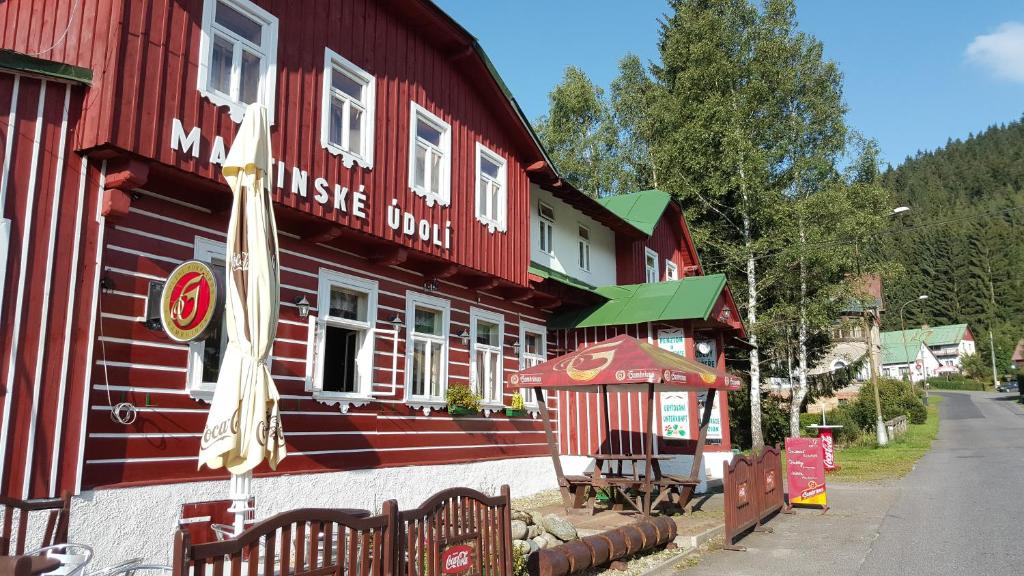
column 190, row 302
column 457, row 559
column 806, row 471
column 828, row 449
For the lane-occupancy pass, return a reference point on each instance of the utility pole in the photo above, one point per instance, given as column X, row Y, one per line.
column 869, row 339
column 991, row 320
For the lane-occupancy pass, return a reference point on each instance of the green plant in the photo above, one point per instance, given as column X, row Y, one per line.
column 956, row 383
column 518, row 562
column 462, row 397
column 897, row 398
column 517, row 402
column 841, row 416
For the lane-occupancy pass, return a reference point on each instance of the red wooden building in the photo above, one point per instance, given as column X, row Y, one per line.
column 421, row 222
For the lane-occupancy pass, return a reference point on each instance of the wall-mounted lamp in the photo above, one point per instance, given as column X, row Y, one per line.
column 464, row 336
column 515, row 347
column 303, row 305
column 396, row 321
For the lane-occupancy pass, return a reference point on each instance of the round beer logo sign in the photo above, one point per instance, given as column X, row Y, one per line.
column 189, row 301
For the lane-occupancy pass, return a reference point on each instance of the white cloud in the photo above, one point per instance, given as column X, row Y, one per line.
column 1001, row 51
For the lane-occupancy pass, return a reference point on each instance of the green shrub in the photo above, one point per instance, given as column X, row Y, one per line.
column 840, row 416
column 517, row 402
column 955, row 383
column 897, row 398
column 518, row 562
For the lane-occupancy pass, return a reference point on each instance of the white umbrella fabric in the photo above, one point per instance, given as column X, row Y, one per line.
column 244, row 424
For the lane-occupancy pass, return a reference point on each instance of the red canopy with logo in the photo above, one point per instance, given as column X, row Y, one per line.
column 618, row 364
column 622, row 364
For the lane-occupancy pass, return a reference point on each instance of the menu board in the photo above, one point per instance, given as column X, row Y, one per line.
column 806, row 472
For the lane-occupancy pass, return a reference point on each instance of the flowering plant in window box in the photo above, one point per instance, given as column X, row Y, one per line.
column 461, row 400
column 518, row 407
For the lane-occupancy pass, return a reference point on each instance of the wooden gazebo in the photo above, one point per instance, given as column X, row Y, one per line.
column 624, row 364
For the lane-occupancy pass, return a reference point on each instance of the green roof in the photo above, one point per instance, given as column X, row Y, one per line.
column 12, row 60
column 689, row 298
column 894, row 353
column 641, row 209
column 933, row 336
column 561, row 277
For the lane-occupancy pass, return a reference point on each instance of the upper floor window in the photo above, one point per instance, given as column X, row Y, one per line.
column 584, row 248
column 204, row 356
column 237, row 56
column 347, row 111
column 651, row 265
column 547, row 226
column 426, row 350
column 486, row 355
column 430, row 143
column 343, row 361
column 491, row 194
column 671, row 270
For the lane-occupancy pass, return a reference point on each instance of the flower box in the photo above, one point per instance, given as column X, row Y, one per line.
column 513, row 413
column 460, row 411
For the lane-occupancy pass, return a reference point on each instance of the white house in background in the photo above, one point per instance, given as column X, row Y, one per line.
column 949, row 344
column 915, row 357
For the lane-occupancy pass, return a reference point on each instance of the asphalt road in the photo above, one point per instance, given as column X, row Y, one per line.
column 960, row 511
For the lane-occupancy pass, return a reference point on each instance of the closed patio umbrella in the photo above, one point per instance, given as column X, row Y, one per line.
column 244, row 424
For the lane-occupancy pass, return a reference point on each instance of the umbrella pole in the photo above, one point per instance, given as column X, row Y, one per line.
column 241, row 488
column 542, row 404
column 649, row 449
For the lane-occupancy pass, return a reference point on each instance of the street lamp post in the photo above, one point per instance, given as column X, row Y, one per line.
column 869, row 337
column 903, row 331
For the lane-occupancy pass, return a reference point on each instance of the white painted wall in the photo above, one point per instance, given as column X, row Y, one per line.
column 929, row 366
column 565, row 236
column 123, row 523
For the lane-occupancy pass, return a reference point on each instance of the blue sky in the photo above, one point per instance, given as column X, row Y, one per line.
column 915, row 72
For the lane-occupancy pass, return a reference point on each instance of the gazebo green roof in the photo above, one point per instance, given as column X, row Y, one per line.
column 641, row 209
column 690, row 298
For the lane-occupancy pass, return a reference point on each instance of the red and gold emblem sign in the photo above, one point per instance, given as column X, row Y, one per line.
column 189, row 302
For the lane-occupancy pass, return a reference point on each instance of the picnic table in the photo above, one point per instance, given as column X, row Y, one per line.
column 609, row 474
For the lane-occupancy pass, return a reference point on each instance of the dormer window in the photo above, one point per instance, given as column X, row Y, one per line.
column 491, row 195
column 238, row 50
column 671, row 270
column 430, row 143
column 347, row 111
column 650, row 265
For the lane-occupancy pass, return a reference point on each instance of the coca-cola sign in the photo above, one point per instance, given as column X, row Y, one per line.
column 457, row 559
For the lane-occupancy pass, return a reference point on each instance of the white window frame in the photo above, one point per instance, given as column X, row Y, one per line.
column 529, row 400
column 547, row 226
column 204, row 250
column 671, row 270
column 476, row 314
column 267, row 51
column 426, row 402
column 500, row 222
column 649, row 271
column 334, row 61
column 443, row 197
column 327, row 279
column 583, row 247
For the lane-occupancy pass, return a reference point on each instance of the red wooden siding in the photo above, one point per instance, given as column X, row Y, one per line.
column 670, row 239
column 146, row 69
column 583, row 427
column 49, row 196
column 144, row 367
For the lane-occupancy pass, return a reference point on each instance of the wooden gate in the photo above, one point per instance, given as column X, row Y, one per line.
column 771, row 499
column 303, row 542
column 741, row 501
column 457, row 532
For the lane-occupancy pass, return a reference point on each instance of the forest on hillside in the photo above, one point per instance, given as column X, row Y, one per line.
column 963, row 241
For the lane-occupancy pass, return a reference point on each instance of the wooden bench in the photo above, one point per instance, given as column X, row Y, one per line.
column 55, row 532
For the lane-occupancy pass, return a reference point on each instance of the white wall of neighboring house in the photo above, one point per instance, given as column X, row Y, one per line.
column 565, row 257
column 924, row 366
column 952, row 356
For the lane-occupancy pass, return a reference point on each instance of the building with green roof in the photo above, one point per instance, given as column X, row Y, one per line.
column 949, row 343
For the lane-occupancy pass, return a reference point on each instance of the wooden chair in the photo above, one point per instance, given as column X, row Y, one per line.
column 204, row 520
column 303, row 542
column 57, row 518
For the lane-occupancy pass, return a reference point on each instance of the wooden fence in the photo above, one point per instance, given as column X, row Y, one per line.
column 897, row 426
column 753, row 493
column 457, row 531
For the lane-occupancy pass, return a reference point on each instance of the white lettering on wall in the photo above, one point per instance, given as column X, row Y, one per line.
column 187, row 144
column 344, row 200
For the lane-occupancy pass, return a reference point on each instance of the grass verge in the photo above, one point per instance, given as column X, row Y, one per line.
column 868, row 462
